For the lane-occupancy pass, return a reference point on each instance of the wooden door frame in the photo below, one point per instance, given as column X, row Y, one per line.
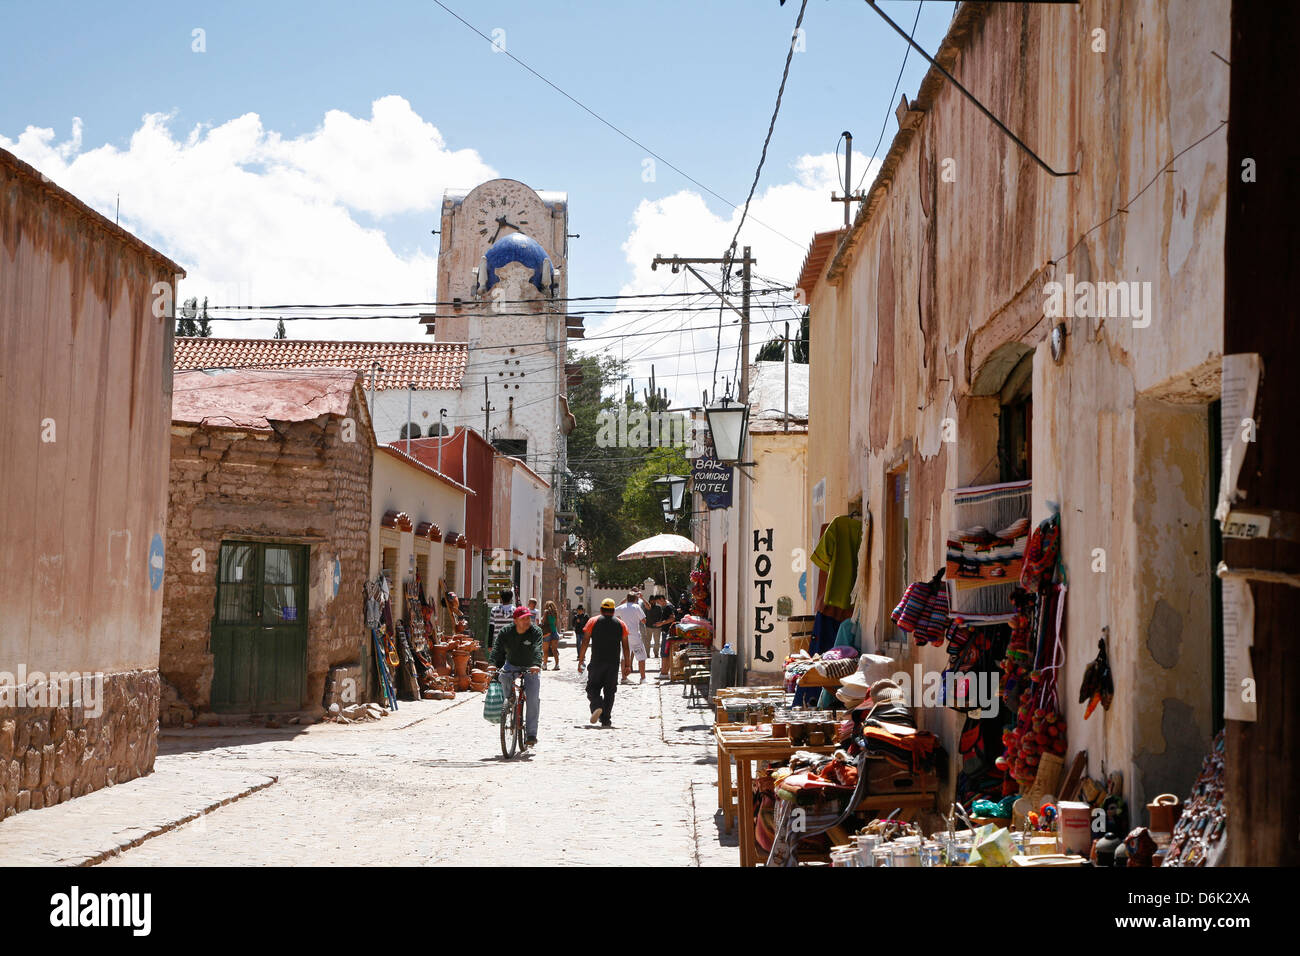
column 302, row 599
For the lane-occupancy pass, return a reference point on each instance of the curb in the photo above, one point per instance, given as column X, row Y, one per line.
column 172, row 825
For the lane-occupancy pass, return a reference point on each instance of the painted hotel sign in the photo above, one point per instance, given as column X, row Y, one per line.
column 712, row 478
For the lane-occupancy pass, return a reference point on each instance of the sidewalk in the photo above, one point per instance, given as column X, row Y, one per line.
column 99, row 825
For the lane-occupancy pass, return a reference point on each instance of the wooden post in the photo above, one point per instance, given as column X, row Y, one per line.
column 1261, row 286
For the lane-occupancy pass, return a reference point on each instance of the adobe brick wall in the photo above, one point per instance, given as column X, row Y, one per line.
column 303, row 484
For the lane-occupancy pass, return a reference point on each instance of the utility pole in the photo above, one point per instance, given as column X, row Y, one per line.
column 410, row 395
column 785, row 411
column 375, row 369
column 741, row 490
column 487, row 411
column 849, row 196
column 442, row 413
column 744, row 332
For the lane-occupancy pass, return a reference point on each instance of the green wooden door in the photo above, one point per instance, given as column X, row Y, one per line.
column 259, row 634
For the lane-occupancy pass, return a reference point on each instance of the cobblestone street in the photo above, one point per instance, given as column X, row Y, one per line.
column 427, row 785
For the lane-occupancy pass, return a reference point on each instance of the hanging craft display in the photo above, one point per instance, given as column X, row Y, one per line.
column 985, row 555
column 923, row 611
column 1097, row 687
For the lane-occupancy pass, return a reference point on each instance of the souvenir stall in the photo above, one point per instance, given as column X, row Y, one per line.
column 414, row 658
column 833, row 770
column 695, row 629
column 1017, row 804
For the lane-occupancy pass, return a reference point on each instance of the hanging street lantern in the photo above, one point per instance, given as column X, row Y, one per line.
column 669, row 511
column 676, row 487
column 728, row 422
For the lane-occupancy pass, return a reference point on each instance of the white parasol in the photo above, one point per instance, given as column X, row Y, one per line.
column 660, row 546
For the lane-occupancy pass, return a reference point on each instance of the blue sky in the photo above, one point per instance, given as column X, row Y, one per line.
column 694, row 81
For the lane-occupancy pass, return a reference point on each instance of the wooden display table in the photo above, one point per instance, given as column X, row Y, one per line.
column 736, row 742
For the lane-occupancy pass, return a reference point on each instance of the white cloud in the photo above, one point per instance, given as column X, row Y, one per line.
column 782, row 220
column 258, row 218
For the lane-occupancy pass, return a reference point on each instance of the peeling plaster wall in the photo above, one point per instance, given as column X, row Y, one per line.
column 940, row 281
column 86, row 379
column 1173, row 639
column 831, row 358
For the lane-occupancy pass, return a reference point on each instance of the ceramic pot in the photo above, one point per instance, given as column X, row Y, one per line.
column 1104, row 849
column 460, row 658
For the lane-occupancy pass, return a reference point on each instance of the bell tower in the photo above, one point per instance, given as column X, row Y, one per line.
column 503, row 288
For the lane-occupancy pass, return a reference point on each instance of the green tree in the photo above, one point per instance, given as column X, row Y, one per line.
column 611, row 488
column 774, row 349
column 204, row 329
column 186, row 325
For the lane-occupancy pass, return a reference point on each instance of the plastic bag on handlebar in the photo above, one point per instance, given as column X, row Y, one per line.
column 492, row 701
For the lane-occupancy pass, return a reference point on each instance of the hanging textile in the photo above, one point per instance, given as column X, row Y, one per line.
column 837, row 554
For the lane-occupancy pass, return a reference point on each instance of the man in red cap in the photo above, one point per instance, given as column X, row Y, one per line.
column 518, row 647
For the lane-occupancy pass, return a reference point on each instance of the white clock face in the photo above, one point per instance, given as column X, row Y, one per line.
column 503, row 208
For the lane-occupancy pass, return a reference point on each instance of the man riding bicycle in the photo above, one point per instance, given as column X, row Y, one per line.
column 518, row 647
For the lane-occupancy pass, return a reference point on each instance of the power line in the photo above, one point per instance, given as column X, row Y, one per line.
column 462, row 302
column 785, row 74
column 889, row 108
column 597, row 116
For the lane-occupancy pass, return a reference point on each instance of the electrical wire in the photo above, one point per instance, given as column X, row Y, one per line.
column 462, row 302
column 889, row 109
column 627, row 136
column 785, row 75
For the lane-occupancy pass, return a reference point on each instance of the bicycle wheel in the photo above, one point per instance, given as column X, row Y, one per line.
column 509, row 725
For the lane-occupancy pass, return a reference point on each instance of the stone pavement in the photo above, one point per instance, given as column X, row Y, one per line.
column 424, row 786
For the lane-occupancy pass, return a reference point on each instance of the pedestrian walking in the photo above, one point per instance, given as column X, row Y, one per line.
column 660, row 618
column 633, row 617
column 550, row 635
column 607, row 636
column 578, row 623
column 501, row 615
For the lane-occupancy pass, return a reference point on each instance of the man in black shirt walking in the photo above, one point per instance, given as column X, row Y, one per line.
column 608, row 638
column 579, row 624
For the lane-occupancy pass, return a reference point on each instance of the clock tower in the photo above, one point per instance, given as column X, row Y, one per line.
column 502, row 288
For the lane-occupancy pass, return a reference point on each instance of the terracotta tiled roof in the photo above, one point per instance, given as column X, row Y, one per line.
column 819, row 250
column 430, row 365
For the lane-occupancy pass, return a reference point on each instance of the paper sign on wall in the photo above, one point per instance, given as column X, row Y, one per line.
column 1236, row 422
column 1238, row 636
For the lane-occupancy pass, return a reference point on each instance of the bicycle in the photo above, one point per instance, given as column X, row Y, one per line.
column 512, row 718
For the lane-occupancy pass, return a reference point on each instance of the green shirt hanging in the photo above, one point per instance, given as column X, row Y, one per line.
column 837, row 555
